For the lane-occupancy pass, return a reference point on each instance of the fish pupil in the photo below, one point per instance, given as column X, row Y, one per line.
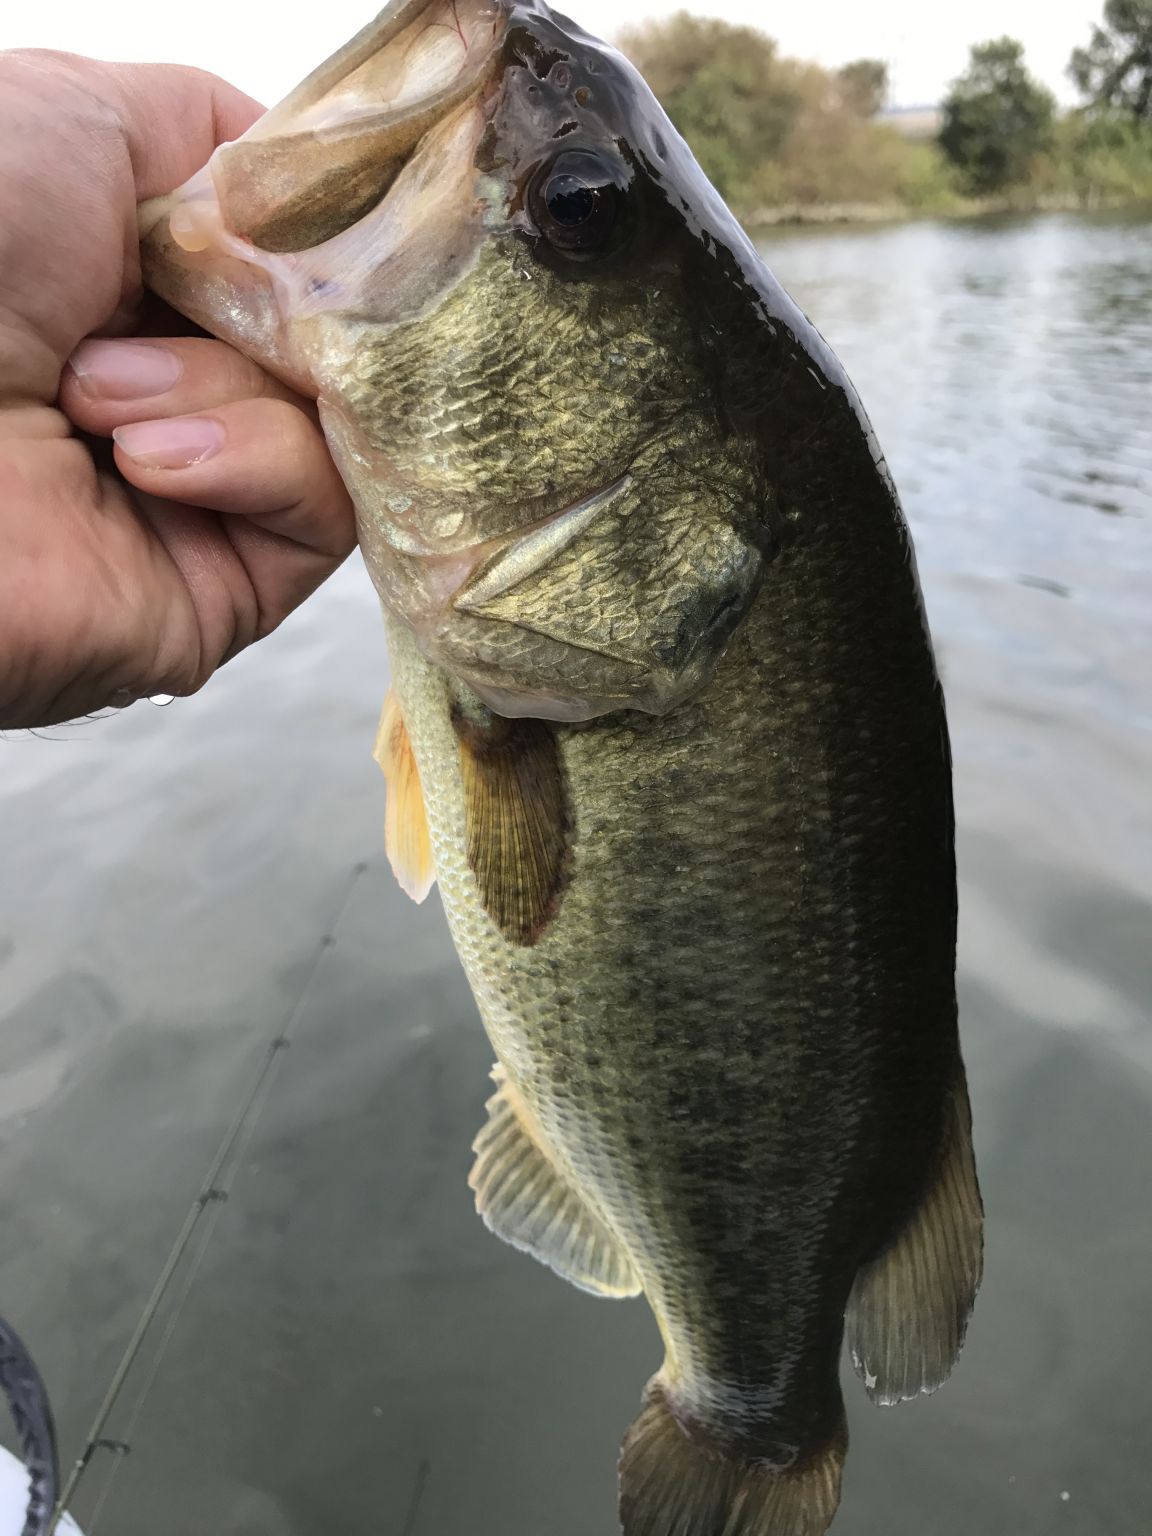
column 571, row 202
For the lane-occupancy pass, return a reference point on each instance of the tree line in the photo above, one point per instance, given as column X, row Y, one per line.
column 775, row 132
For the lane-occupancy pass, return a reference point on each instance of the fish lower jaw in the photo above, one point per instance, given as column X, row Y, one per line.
column 525, row 553
column 461, row 586
column 516, row 704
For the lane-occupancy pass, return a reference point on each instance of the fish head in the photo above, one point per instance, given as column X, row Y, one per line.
column 474, row 237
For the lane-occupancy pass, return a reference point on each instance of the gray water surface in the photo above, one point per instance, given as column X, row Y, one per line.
column 344, row 1349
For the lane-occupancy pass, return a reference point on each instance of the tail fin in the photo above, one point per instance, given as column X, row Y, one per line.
column 672, row 1486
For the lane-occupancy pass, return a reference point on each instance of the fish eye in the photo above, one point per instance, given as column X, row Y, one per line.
column 579, row 202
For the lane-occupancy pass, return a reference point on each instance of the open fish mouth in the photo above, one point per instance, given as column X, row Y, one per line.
column 325, row 156
column 342, row 199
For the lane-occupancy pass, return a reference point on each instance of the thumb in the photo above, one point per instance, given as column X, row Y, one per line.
column 171, row 117
column 81, row 143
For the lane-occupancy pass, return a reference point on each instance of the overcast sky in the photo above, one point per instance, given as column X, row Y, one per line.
column 266, row 47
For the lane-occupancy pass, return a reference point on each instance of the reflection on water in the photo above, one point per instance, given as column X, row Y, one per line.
column 1007, row 366
column 351, row 1352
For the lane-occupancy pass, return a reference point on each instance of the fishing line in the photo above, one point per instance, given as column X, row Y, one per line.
column 213, row 1192
column 417, row 1498
column 122, row 1445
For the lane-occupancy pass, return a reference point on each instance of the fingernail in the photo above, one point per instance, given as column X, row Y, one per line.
column 172, row 444
column 124, row 370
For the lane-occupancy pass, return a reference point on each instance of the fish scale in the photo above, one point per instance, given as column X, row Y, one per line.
column 741, row 873
column 666, row 727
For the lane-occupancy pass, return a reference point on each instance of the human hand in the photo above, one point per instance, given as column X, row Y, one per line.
column 140, row 571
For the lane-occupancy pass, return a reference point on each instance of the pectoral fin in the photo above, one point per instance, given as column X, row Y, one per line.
column 406, row 837
column 518, row 822
column 528, row 1202
column 910, row 1305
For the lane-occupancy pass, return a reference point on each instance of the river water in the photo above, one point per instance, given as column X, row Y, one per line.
column 198, row 931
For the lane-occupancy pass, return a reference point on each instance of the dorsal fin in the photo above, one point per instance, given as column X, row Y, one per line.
column 517, row 820
column 910, row 1305
column 406, row 838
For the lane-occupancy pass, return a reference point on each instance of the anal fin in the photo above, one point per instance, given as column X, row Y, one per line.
column 910, row 1305
column 406, row 837
column 528, row 1202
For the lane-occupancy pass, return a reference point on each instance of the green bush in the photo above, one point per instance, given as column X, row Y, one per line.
column 774, row 132
column 997, row 119
column 1105, row 157
column 927, row 181
column 769, row 130
column 725, row 89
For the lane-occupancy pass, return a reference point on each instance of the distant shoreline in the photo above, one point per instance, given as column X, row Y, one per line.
column 892, row 213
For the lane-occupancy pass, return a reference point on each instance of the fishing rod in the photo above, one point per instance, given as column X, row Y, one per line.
column 32, row 1415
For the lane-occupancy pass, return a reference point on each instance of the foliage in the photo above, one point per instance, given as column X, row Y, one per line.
column 769, row 130
column 864, row 86
column 997, row 119
column 927, row 181
column 724, row 88
column 1115, row 70
column 1104, row 157
column 777, row 135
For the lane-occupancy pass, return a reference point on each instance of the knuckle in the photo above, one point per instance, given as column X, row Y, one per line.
column 221, row 372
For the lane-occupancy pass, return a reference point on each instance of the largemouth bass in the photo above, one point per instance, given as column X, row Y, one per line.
column 665, row 724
